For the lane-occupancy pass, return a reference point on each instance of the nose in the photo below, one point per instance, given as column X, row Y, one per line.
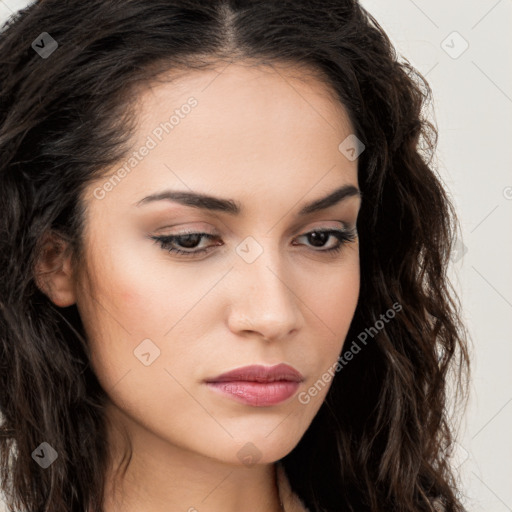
column 264, row 301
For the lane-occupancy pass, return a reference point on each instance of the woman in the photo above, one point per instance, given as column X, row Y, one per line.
column 224, row 262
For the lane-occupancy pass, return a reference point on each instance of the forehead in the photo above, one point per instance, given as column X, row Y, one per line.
column 239, row 103
column 234, row 129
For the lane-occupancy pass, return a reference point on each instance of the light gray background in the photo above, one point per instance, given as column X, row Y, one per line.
column 472, row 109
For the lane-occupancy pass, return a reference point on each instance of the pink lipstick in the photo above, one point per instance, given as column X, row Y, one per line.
column 258, row 385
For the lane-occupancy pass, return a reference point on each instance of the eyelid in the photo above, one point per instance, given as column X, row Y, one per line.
column 345, row 226
column 343, row 237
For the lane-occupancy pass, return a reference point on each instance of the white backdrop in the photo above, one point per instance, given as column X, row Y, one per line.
column 464, row 49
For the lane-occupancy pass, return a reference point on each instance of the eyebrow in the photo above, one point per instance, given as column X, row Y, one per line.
column 232, row 207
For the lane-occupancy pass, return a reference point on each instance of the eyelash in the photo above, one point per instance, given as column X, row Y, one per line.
column 344, row 237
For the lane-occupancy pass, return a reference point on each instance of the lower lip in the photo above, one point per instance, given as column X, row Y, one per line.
column 259, row 394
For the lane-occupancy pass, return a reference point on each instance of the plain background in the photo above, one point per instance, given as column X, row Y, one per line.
column 464, row 50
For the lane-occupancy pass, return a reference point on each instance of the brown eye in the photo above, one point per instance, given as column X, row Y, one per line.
column 185, row 244
column 318, row 237
column 185, row 241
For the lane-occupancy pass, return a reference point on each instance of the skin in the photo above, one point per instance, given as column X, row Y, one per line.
column 268, row 140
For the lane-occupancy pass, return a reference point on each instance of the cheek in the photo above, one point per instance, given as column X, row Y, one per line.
column 332, row 302
column 333, row 297
column 129, row 302
column 119, row 309
column 133, row 301
column 131, row 293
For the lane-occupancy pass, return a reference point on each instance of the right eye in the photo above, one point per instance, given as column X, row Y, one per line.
column 188, row 239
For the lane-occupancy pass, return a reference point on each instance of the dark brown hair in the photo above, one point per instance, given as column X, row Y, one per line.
column 381, row 440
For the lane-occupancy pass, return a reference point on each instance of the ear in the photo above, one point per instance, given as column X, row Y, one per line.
column 53, row 270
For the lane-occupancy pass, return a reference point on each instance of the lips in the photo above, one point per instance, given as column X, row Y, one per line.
column 257, row 385
column 259, row 373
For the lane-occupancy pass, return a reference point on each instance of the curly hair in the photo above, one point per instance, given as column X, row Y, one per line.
column 382, row 438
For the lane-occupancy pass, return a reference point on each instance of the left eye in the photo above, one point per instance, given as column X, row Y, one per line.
column 190, row 240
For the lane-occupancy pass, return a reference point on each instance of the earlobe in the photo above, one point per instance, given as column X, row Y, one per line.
column 53, row 270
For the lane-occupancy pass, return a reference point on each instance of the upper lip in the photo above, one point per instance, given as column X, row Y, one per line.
column 259, row 373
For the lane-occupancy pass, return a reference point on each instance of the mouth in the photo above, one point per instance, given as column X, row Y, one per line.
column 258, row 385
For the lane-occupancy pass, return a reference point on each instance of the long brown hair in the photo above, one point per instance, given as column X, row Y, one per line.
column 382, row 437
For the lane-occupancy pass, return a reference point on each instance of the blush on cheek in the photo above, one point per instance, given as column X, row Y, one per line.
column 127, row 288
column 128, row 296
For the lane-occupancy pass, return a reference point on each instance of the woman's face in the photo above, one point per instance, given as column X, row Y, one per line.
column 264, row 292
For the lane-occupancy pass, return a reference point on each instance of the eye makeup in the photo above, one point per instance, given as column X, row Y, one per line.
column 190, row 239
